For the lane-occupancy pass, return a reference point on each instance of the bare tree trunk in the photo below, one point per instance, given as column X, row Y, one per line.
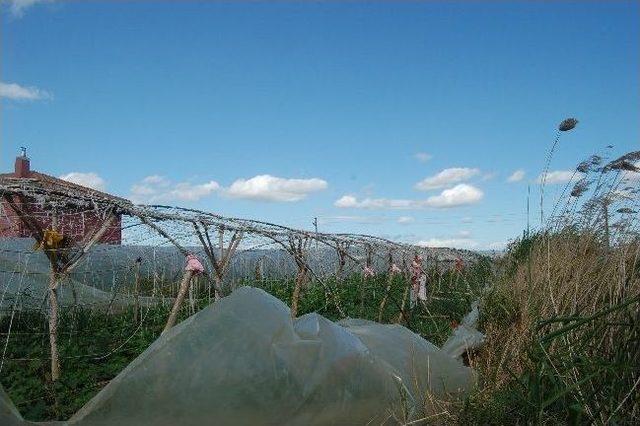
column 192, row 302
column 258, row 271
column 300, row 278
column 184, row 286
column 339, row 272
column 407, row 290
column 386, row 296
column 218, row 289
column 53, row 325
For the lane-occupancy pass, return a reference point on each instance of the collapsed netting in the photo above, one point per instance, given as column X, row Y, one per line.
column 63, row 261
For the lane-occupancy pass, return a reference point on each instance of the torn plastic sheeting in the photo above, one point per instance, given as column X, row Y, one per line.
column 466, row 336
column 243, row 360
column 424, row 369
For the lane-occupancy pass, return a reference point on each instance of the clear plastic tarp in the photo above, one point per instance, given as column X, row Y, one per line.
column 243, row 360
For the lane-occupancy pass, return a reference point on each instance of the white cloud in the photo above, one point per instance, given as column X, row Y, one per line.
column 405, row 220
column 459, row 195
column 16, row 92
column 465, row 243
column 516, row 176
column 498, row 245
column 18, row 7
column 154, row 180
column 489, row 175
column 90, row 180
column 157, row 188
column 271, row 188
column 559, row 176
column 349, row 201
column 446, row 178
column 423, row 157
column 464, row 234
column 362, row 220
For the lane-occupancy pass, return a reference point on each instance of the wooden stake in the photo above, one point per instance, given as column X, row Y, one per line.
column 53, row 310
column 300, row 278
column 53, row 325
column 184, row 286
column 258, row 270
column 136, row 289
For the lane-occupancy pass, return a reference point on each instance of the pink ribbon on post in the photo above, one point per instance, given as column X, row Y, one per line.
column 193, row 264
column 369, row 272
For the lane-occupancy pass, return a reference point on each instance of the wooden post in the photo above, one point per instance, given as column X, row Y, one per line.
column 136, row 290
column 407, row 289
column 258, row 270
column 390, row 273
column 365, row 280
column 218, row 262
column 342, row 261
column 300, row 278
column 53, row 309
column 298, row 249
column 53, row 324
column 192, row 303
column 184, row 286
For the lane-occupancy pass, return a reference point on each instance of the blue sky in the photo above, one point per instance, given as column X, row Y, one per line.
column 403, row 120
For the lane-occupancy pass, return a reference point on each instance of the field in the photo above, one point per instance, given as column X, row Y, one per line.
column 96, row 346
column 562, row 334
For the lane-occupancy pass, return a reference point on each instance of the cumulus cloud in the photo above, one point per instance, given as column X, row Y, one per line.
column 155, row 188
column 516, row 176
column 459, row 195
column 16, row 92
column 559, row 176
column 90, row 180
column 446, row 178
column 423, row 157
column 405, row 220
column 272, row 188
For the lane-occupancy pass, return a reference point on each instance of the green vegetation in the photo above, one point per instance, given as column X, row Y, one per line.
column 560, row 312
column 96, row 346
column 563, row 335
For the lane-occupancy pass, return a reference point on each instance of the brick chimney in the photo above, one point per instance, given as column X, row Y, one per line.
column 23, row 166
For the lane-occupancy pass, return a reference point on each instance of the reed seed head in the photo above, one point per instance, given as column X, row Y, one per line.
column 567, row 124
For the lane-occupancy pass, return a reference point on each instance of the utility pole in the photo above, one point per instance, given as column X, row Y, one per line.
column 315, row 225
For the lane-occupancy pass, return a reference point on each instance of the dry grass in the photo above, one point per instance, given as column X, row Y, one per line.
column 562, row 320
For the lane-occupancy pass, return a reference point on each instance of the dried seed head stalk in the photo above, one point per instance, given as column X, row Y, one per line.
column 567, row 124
